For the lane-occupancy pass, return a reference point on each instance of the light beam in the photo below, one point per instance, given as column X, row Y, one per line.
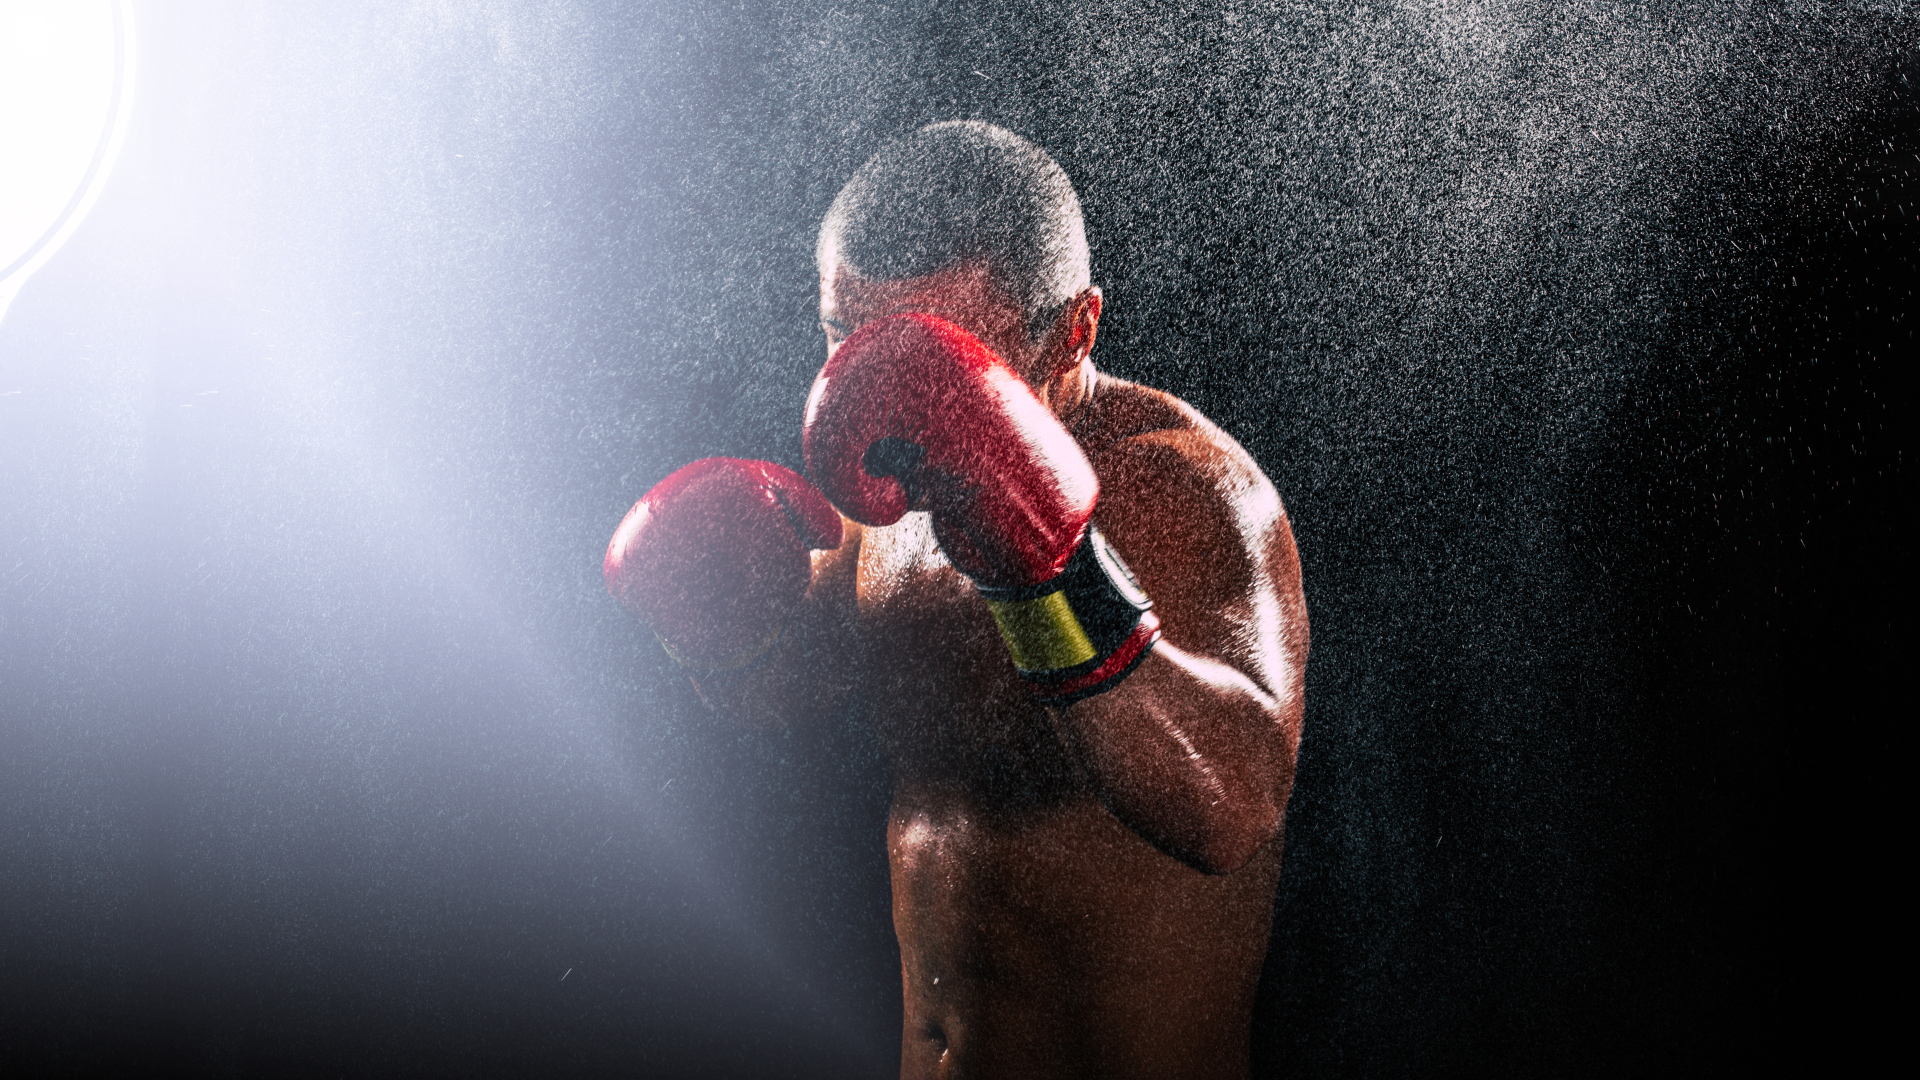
column 66, row 80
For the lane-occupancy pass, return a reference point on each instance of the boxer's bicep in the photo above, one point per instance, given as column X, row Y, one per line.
column 1207, row 536
column 1195, row 751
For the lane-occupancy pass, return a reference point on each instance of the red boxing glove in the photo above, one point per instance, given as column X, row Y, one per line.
column 714, row 558
column 913, row 412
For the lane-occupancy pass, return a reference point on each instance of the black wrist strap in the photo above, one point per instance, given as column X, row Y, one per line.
column 1073, row 625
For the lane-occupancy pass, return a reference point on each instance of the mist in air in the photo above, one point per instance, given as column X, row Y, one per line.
column 1565, row 332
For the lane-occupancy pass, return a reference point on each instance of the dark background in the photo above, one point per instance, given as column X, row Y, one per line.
column 1566, row 331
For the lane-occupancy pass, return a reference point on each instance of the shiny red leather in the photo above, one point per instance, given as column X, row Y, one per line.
column 714, row 557
column 1009, row 489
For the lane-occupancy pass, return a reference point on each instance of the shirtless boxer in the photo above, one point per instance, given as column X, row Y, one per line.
column 1085, row 833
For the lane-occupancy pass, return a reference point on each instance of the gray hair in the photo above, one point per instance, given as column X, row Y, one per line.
column 964, row 191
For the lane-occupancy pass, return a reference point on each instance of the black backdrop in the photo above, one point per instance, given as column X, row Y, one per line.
column 1566, row 332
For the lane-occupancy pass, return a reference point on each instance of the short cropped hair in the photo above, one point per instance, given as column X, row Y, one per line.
column 964, row 191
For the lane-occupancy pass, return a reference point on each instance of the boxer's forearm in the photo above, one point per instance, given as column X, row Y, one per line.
column 1191, row 754
column 809, row 675
column 811, row 670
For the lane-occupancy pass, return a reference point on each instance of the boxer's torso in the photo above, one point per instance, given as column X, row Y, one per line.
column 1039, row 936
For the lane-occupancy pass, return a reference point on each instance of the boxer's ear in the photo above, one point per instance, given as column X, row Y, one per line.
column 1071, row 338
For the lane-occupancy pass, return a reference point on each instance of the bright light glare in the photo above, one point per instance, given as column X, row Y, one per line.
column 66, row 76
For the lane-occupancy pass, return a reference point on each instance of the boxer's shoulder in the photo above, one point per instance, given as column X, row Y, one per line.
column 1118, row 410
column 1152, row 449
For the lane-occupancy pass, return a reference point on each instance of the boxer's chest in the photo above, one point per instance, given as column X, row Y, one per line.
column 946, row 695
column 922, row 619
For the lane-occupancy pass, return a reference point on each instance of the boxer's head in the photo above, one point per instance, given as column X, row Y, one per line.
column 973, row 223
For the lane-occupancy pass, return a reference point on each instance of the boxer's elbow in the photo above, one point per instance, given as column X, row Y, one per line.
column 1239, row 797
column 1212, row 823
column 1188, row 760
column 1228, row 833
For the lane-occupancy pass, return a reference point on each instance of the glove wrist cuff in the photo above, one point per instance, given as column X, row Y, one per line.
column 737, row 663
column 1081, row 632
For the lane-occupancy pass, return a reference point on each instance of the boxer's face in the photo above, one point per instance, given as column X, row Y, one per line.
column 962, row 294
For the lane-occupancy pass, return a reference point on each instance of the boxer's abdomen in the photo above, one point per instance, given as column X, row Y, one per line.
column 1055, row 942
